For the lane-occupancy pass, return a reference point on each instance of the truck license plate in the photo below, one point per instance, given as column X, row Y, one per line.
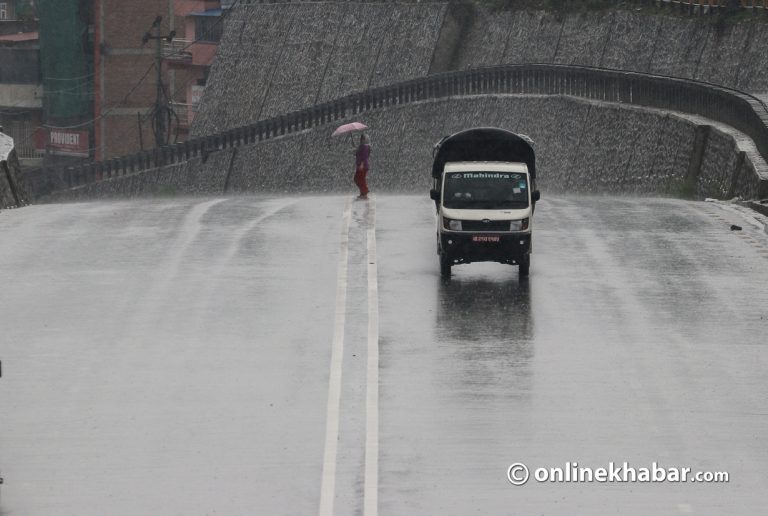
column 485, row 238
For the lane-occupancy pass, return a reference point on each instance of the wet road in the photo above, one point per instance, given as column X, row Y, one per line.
column 258, row 355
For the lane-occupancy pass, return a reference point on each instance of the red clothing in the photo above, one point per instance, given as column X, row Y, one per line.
column 360, row 179
column 361, row 167
column 362, row 154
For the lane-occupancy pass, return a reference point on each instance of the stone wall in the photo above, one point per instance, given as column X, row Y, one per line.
column 279, row 57
column 731, row 55
column 276, row 58
column 12, row 191
column 193, row 177
column 582, row 146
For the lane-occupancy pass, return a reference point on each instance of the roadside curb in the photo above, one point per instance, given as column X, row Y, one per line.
column 759, row 206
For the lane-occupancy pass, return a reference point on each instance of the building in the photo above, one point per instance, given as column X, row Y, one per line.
column 192, row 53
column 66, row 71
column 21, row 90
column 79, row 79
column 134, row 106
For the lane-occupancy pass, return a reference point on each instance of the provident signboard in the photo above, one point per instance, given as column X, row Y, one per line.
column 62, row 141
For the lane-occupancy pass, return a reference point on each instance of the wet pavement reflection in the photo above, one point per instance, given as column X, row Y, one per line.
column 489, row 324
column 180, row 349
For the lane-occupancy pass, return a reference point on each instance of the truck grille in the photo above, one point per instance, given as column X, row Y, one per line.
column 479, row 225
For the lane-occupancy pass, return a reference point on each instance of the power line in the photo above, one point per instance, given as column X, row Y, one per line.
column 109, row 110
column 162, row 115
column 122, row 102
column 210, row 30
column 49, row 78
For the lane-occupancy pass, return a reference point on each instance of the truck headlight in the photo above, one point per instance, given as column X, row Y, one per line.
column 451, row 224
column 518, row 225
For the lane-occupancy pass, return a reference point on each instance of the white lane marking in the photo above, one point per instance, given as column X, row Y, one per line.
column 328, row 485
column 220, row 265
column 165, row 271
column 242, row 232
column 371, row 489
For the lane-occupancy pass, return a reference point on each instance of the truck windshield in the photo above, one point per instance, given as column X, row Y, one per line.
column 485, row 190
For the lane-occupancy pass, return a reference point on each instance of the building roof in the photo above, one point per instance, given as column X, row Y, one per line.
column 21, row 36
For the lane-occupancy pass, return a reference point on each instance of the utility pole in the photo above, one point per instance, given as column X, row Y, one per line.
column 161, row 113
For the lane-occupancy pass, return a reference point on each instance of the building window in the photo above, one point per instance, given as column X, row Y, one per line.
column 3, row 10
column 208, row 28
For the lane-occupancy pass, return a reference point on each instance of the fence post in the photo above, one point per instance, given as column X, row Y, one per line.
column 303, row 118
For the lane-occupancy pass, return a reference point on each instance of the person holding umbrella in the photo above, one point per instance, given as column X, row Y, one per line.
column 362, row 165
column 361, row 154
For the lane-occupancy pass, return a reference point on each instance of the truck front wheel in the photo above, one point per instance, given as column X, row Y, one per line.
column 445, row 265
column 525, row 265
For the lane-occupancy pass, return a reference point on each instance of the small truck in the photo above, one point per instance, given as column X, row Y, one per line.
column 484, row 188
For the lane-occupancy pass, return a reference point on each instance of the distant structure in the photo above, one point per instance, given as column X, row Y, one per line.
column 12, row 193
column 192, row 53
column 77, row 83
column 125, row 79
column 21, row 98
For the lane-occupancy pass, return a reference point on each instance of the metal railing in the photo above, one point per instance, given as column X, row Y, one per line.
column 740, row 110
column 22, row 133
column 684, row 6
column 708, row 6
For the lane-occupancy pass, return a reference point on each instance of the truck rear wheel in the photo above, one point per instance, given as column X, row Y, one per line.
column 445, row 266
column 525, row 265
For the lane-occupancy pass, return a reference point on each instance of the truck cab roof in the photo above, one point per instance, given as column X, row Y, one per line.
column 485, row 166
column 488, row 144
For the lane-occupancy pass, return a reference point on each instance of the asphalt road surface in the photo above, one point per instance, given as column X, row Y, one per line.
column 302, row 356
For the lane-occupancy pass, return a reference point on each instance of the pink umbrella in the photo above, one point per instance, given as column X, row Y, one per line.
column 349, row 128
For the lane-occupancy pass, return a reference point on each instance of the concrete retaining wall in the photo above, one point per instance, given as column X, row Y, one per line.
column 307, row 67
column 582, row 146
column 277, row 58
column 731, row 55
column 193, row 177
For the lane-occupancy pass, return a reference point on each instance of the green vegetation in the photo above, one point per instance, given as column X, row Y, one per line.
column 685, row 189
column 726, row 17
column 549, row 5
column 166, row 190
